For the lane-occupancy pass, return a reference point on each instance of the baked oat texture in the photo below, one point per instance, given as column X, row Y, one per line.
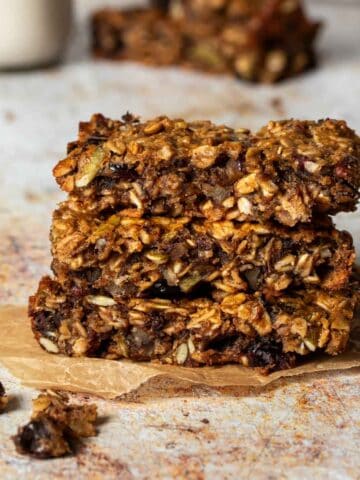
column 288, row 171
column 128, row 256
column 241, row 328
column 257, row 40
column 55, row 426
column 195, row 244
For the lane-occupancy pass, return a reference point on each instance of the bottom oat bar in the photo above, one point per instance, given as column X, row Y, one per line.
column 54, row 426
column 242, row 328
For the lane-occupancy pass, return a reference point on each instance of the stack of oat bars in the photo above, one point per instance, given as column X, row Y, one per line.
column 257, row 40
column 195, row 244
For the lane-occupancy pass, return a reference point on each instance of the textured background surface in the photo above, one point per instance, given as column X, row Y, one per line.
column 299, row 428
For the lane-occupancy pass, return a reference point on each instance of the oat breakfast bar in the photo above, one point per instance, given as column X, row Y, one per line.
column 286, row 172
column 194, row 244
column 239, row 328
column 156, row 256
column 260, row 41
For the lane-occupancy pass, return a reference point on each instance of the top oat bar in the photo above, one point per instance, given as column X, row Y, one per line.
column 287, row 172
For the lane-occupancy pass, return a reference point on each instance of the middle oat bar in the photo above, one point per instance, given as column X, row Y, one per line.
column 128, row 256
column 288, row 172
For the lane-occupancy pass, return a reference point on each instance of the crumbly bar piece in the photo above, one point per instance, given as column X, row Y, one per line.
column 54, row 425
column 143, row 35
column 263, row 41
column 287, row 172
column 241, row 328
column 159, row 256
column 3, row 398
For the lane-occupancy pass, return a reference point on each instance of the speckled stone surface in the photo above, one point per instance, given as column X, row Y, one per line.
column 295, row 429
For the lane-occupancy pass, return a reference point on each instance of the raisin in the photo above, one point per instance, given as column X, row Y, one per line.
column 92, row 274
column 161, row 289
column 47, row 321
column 41, row 438
column 267, row 352
column 222, row 343
column 96, row 139
column 122, row 171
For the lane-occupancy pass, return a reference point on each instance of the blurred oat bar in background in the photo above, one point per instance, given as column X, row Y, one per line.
column 258, row 40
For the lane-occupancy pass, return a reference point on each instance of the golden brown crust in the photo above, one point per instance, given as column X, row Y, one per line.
column 289, row 171
column 129, row 256
column 192, row 244
column 192, row 332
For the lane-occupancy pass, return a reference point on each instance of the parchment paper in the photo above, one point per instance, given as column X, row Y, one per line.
column 34, row 367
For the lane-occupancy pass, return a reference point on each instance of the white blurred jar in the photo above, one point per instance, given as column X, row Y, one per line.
column 33, row 32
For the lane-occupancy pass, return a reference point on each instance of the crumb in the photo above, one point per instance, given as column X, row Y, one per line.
column 54, row 427
column 9, row 116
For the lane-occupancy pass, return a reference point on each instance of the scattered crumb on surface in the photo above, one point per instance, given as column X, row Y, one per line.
column 9, row 116
column 277, row 103
column 55, row 426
